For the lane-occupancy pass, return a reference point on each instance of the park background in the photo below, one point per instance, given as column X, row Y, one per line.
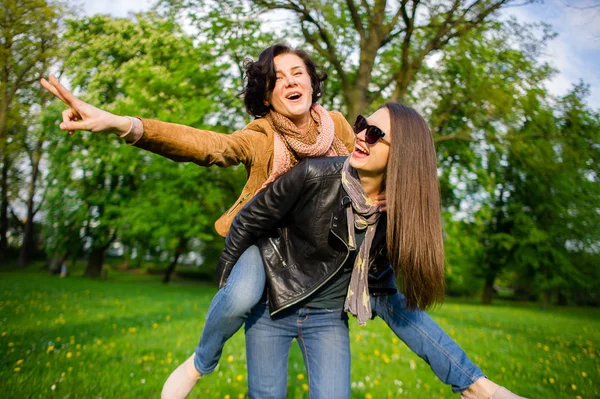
column 513, row 108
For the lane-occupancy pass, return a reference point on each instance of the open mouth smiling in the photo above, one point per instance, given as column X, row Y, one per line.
column 293, row 96
column 361, row 149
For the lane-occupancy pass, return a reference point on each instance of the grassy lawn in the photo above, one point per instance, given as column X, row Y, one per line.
column 121, row 338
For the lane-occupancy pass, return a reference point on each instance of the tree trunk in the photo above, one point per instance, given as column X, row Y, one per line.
column 29, row 233
column 173, row 264
column 95, row 262
column 488, row 289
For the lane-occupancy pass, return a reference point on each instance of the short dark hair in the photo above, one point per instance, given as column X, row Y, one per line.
column 260, row 78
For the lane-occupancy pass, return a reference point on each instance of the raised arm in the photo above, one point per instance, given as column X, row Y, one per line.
column 261, row 215
column 177, row 142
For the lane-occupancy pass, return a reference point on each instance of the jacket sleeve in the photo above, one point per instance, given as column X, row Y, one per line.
column 260, row 216
column 203, row 147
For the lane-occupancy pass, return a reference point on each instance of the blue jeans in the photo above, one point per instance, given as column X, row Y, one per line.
column 232, row 304
column 229, row 308
column 323, row 338
column 425, row 338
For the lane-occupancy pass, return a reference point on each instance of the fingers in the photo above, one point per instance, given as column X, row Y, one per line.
column 48, row 86
column 64, row 94
column 68, row 115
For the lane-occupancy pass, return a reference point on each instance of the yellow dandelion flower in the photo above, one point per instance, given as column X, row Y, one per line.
column 155, row 325
column 230, row 358
column 578, row 397
column 4, row 333
column 376, row 352
column 305, row 387
column 19, row 362
column 70, row 369
column 394, row 340
column 241, row 396
column 583, row 374
column 57, row 339
column 368, row 396
column 78, row 346
column 11, row 344
column 69, row 354
column 385, row 359
column 574, row 387
column 131, row 329
column 508, row 337
column 239, row 378
column 546, row 348
column 300, row 376
column 226, row 397
column 167, row 317
column 357, row 337
column 50, row 349
column 17, row 369
column 99, row 342
column 551, row 380
column 169, row 360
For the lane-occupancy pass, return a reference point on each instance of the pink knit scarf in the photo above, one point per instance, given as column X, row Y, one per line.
column 320, row 140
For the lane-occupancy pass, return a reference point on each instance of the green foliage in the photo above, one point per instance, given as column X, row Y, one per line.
column 149, row 67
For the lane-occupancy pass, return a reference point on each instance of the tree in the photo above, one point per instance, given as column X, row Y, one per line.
column 28, row 45
column 147, row 66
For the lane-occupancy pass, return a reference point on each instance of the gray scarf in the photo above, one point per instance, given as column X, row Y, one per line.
column 365, row 215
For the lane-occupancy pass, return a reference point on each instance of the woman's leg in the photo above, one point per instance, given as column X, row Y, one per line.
column 425, row 338
column 324, row 340
column 447, row 360
column 267, row 349
column 229, row 308
column 227, row 312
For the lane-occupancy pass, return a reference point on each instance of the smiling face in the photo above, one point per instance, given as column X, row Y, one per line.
column 292, row 95
column 371, row 159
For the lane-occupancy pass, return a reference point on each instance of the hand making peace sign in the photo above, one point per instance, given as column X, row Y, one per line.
column 84, row 116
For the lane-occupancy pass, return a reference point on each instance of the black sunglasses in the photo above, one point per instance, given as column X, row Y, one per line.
column 372, row 134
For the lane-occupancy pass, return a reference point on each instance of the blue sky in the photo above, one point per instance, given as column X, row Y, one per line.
column 575, row 52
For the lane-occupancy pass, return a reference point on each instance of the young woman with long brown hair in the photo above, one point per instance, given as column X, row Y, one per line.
column 327, row 249
column 282, row 90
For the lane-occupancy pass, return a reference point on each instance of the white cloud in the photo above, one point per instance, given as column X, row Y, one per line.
column 576, row 50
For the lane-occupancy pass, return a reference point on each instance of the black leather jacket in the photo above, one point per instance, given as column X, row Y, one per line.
column 299, row 223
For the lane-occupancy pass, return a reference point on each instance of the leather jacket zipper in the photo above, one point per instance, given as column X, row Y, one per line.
column 238, row 204
column 278, row 253
column 307, row 294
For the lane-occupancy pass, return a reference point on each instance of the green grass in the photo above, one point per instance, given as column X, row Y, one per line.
column 121, row 338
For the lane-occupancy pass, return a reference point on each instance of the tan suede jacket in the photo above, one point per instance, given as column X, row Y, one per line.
column 252, row 146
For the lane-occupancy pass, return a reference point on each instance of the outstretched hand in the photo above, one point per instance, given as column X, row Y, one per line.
column 84, row 116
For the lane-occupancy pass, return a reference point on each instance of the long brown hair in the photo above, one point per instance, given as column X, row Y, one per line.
column 414, row 227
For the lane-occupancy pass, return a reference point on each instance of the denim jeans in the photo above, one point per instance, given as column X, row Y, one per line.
column 232, row 304
column 325, row 344
column 424, row 337
column 229, row 308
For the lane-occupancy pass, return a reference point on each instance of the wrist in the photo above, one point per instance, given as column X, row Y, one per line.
column 122, row 125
